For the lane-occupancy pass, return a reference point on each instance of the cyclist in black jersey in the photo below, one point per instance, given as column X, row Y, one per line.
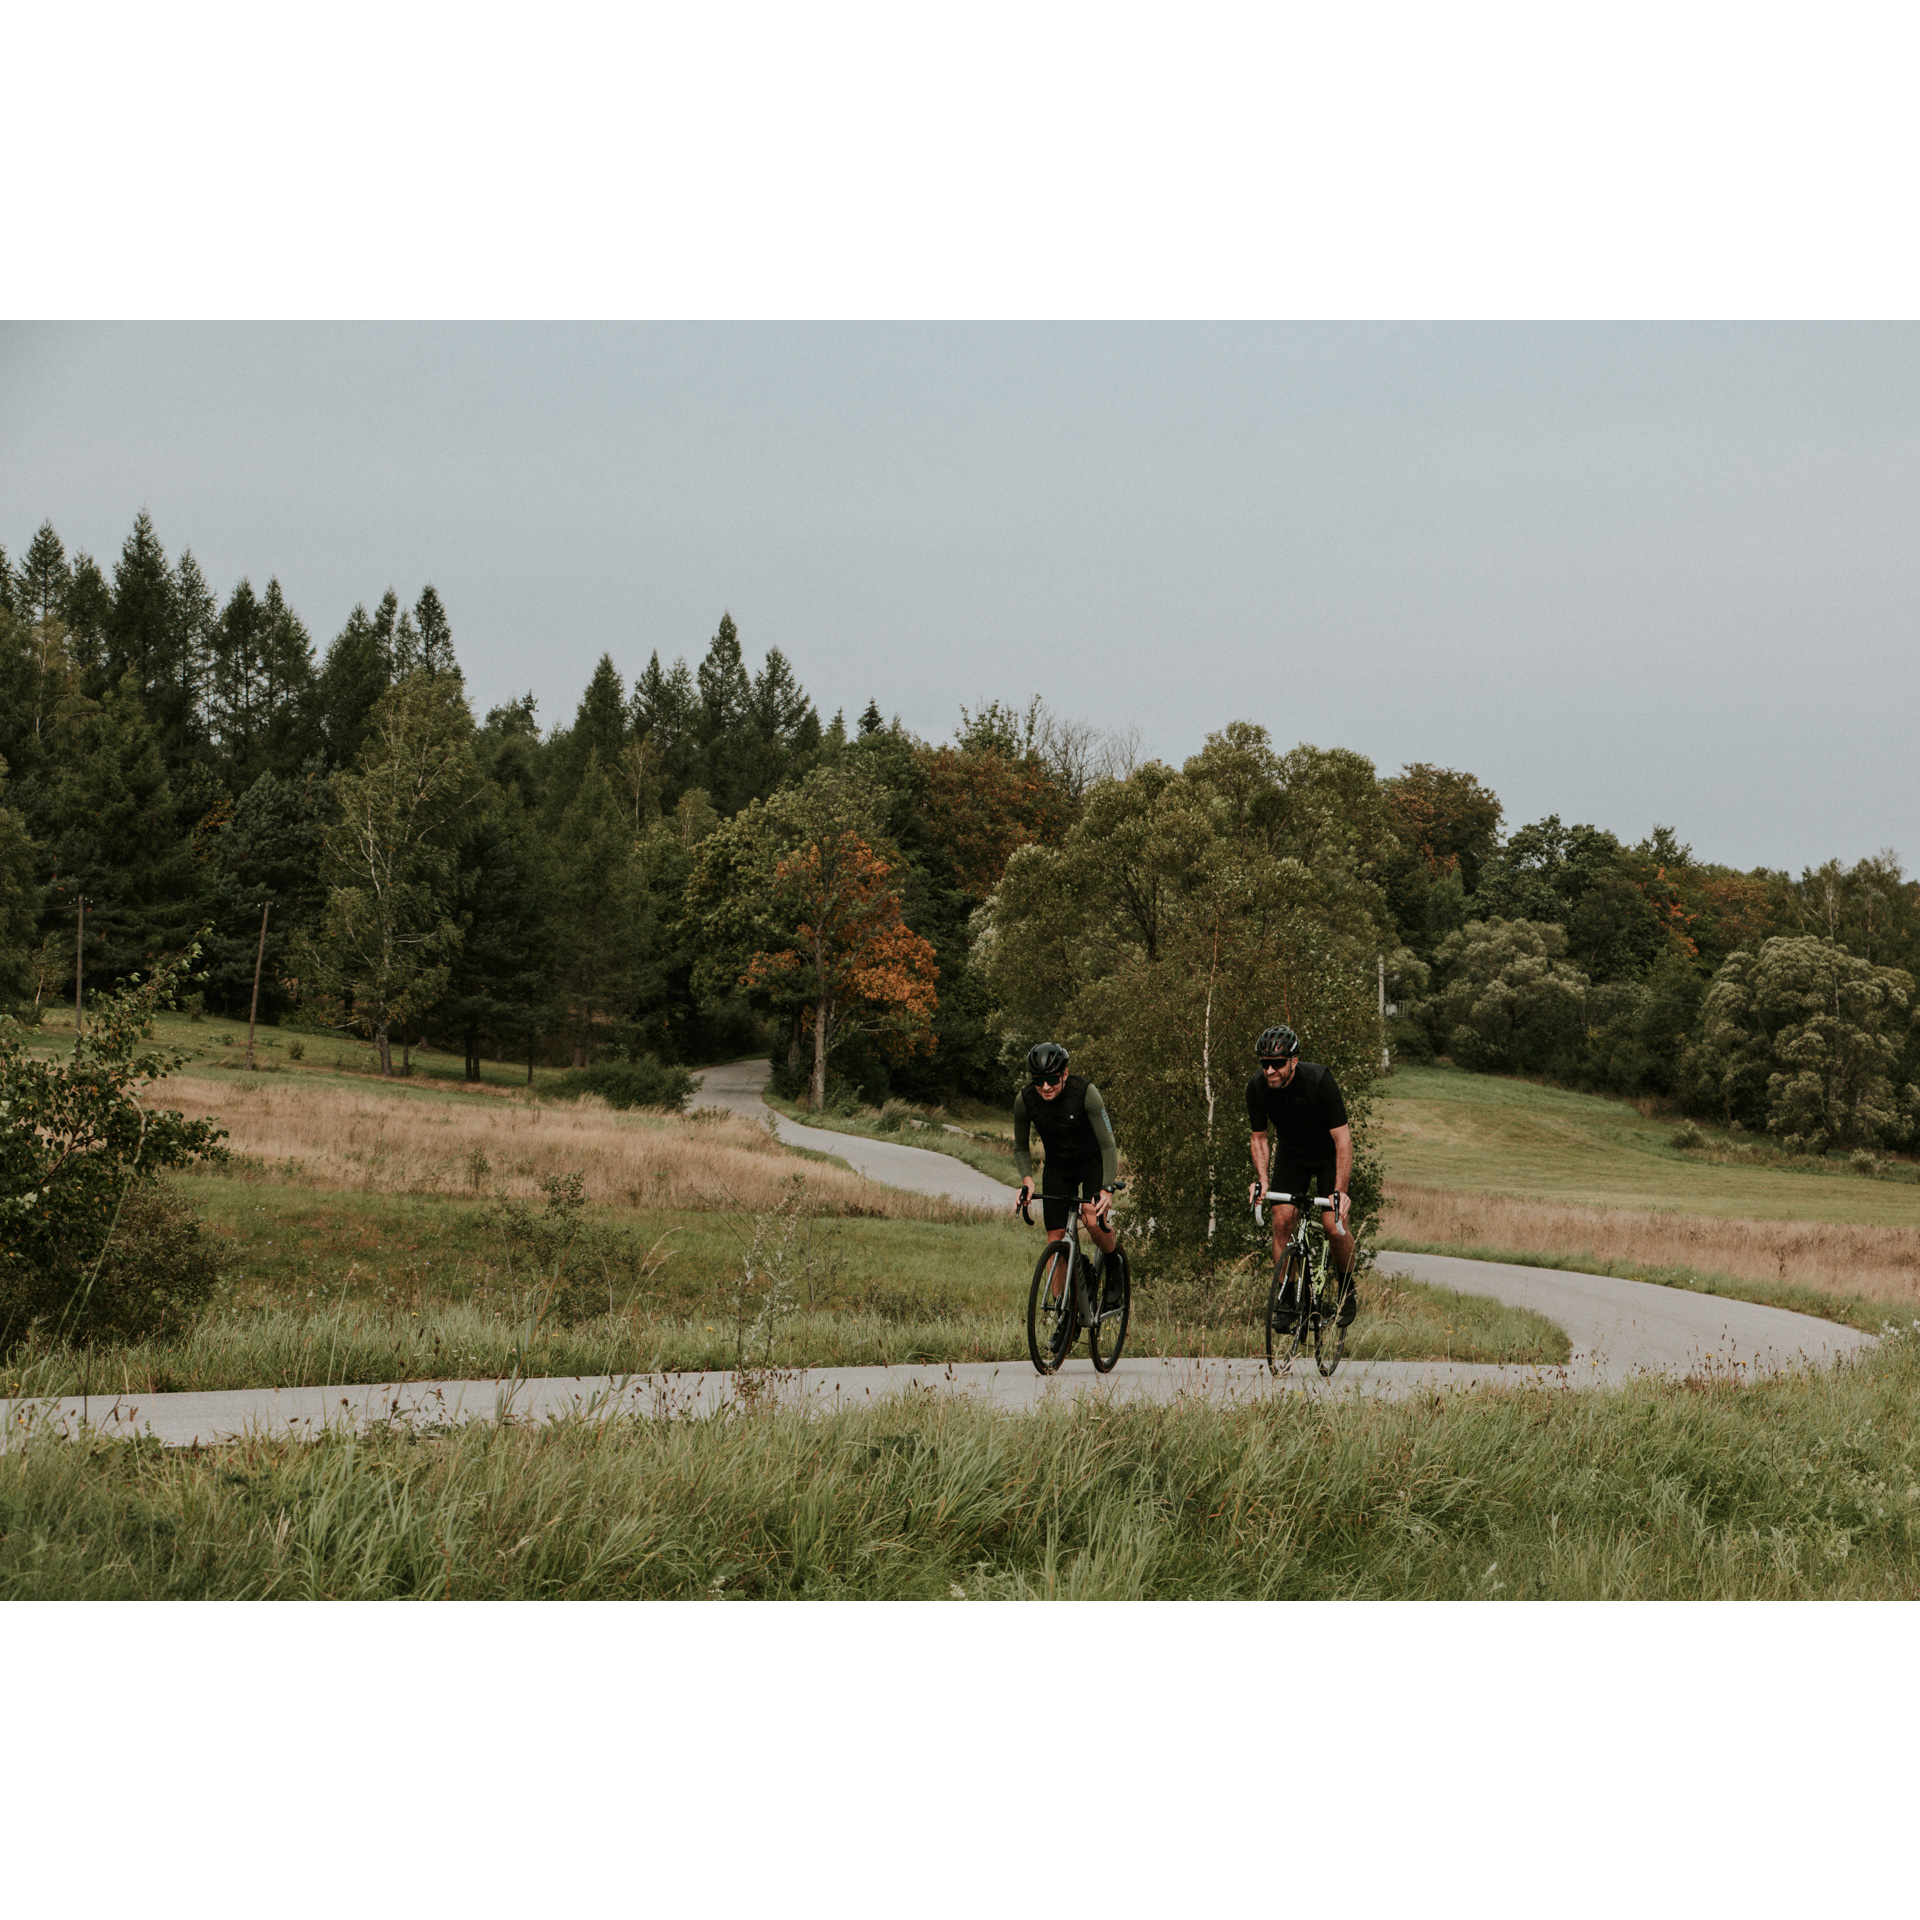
column 1083, row 1160
column 1298, row 1103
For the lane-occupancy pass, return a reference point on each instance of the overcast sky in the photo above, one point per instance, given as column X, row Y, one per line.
column 1626, row 574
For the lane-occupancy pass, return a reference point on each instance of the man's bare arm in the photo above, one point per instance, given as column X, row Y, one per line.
column 1342, row 1163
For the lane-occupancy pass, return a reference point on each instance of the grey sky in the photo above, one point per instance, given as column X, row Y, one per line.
column 1626, row 574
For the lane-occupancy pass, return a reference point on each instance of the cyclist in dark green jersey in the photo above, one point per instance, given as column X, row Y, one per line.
column 1082, row 1160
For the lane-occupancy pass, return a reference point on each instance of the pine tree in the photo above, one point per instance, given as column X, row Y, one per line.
column 45, row 578
column 115, row 840
column 357, row 670
column 178, row 699
column 725, row 717
column 21, row 864
column 260, row 687
column 501, row 975
column 287, row 686
column 265, row 853
column 89, row 618
column 436, row 634
column 603, row 935
column 599, row 732
column 664, row 719
column 872, row 720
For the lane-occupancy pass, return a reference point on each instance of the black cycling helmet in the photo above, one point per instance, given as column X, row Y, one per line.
column 1047, row 1061
column 1277, row 1043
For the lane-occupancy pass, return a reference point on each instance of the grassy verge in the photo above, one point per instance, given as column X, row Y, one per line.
column 905, row 1132
column 1850, row 1310
column 1800, row 1487
column 877, row 1302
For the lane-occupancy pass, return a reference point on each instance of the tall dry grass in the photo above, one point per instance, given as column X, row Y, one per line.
column 351, row 1139
column 1873, row 1262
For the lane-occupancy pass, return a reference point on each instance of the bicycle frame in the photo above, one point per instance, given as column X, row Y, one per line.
column 1079, row 1267
column 1310, row 1239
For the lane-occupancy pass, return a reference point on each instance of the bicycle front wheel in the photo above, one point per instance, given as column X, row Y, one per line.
column 1112, row 1310
column 1329, row 1336
column 1287, row 1311
column 1052, row 1324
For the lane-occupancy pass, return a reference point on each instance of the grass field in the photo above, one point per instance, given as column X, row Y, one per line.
column 1506, row 1169
column 1789, row 1488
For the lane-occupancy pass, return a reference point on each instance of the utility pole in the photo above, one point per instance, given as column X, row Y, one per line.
column 79, row 975
column 1385, row 1062
column 259, row 960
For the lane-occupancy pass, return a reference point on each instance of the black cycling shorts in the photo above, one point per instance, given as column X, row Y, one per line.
column 1060, row 1191
column 1292, row 1176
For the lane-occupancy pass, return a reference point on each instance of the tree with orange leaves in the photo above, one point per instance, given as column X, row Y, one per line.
column 854, row 960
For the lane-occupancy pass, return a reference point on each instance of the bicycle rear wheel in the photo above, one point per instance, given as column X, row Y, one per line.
column 1052, row 1324
column 1109, row 1333
column 1287, row 1323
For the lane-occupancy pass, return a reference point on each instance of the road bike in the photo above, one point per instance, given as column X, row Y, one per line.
column 1303, row 1310
column 1069, row 1292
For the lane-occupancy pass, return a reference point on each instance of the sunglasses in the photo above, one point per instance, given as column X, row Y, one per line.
column 1273, row 1066
column 1052, row 1080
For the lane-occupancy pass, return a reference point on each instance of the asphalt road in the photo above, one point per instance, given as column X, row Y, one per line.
column 740, row 1086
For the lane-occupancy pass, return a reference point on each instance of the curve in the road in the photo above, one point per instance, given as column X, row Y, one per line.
column 739, row 1088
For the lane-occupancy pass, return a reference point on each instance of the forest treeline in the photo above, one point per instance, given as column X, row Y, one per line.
column 695, row 864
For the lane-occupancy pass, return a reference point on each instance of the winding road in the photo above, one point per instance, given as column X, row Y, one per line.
column 739, row 1087
column 1617, row 1328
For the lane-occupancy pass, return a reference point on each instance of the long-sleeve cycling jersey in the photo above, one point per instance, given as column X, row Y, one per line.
column 1073, row 1127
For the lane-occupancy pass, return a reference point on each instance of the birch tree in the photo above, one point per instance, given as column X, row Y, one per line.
column 380, row 958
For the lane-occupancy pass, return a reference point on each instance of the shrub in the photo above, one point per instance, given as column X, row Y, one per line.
column 1869, row 1164
column 1686, row 1135
column 158, row 1271
column 646, row 1082
column 79, row 1149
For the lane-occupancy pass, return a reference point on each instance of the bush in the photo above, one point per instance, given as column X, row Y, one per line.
column 646, row 1082
column 1686, row 1135
column 159, row 1270
column 1868, row 1164
column 79, row 1149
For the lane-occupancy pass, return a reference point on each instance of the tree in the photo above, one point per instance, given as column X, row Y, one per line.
column 797, row 899
column 1806, row 1035
column 112, row 833
column 1448, row 829
column 1174, row 921
column 260, row 686
column 664, row 717
column 1507, row 999
column 381, row 955
column 357, row 670
column 603, row 936
column 434, row 636
column 501, row 974
column 854, row 960
column 20, row 895
column 265, row 852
